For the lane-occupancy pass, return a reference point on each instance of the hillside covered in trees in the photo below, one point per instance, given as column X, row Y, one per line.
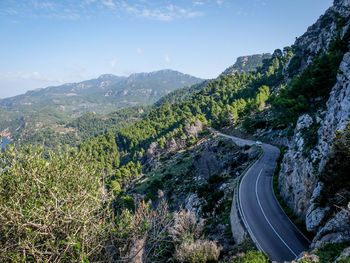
column 154, row 184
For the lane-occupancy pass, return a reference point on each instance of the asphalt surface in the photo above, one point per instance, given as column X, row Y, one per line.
column 268, row 225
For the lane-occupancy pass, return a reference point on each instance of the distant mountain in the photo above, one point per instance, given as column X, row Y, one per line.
column 103, row 95
column 247, row 63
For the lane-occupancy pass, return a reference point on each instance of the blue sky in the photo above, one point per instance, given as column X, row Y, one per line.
column 53, row 42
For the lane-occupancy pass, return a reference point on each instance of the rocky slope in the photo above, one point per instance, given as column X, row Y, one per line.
column 300, row 170
column 197, row 175
column 318, row 36
column 247, row 63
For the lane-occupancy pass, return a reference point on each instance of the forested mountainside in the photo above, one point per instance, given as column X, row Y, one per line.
column 242, row 64
column 161, row 189
column 60, row 130
column 71, row 133
column 102, row 95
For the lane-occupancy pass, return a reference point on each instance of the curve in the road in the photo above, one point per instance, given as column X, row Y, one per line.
column 265, row 220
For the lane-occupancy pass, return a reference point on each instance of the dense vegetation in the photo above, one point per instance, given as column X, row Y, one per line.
column 180, row 94
column 336, row 174
column 310, row 90
column 51, row 209
column 43, row 109
column 222, row 102
column 89, row 203
column 73, row 132
column 58, row 210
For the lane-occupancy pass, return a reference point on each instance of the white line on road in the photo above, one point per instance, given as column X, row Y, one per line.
column 262, row 210
column 242, row 212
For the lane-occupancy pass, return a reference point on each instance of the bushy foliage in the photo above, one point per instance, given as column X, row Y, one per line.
column 191, row 246
column 198, row 251
column 253, row 256
column 310, row 136
column 152, row 189
column 309, row 90
column 123, row 176
column 335, row 174
column 61, row 132
column 330, row 252
column 104, row 151
column 186, row 226
column 57, row 209
column 143, row 233
column 51, row 210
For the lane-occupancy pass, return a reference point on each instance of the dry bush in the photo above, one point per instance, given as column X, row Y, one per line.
column 188, row 232
column 198, row 251
column 141, row 234
column 51, row 210
column 186, row 226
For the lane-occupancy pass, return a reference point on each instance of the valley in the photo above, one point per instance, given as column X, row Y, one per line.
column 167, row 167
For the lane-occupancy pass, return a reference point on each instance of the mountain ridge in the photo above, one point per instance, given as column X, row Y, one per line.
column 111, row 81
column 104, row 94
column 247, row 63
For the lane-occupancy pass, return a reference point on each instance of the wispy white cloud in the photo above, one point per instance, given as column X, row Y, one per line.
column 89, row 1
column 113, row 62
column 22, row 75
column 220, row 2
column 139, row 51
column 44, row 5
column 198, row 3
column 166, row 13
column 109, row 3
column 64, row 9
column 166, row 58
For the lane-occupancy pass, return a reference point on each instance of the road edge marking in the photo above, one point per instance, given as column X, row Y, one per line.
column 240, row 209
column 290, row 220
column 267, row 220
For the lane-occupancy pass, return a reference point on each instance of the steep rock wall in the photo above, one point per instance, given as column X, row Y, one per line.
column 299, row 176
column 318, row 36
column 298, row 181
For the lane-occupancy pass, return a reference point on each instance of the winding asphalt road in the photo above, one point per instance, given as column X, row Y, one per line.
column 266, row 222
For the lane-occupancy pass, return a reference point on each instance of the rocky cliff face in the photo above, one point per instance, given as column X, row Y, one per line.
column 247, row 63
column 299, row 175
column 299, row 181
column 318, row 36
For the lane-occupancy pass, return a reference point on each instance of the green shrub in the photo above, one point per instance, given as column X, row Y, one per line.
column 127, row 202
column 310, row 137
column 330, row 252
column 215, row 178
column 294, row 65
column 316, row 81
column 335, row 174
column 345, row 260
column 51, row 210
column 152, row 190
column 192, row 140
column 253, row 257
